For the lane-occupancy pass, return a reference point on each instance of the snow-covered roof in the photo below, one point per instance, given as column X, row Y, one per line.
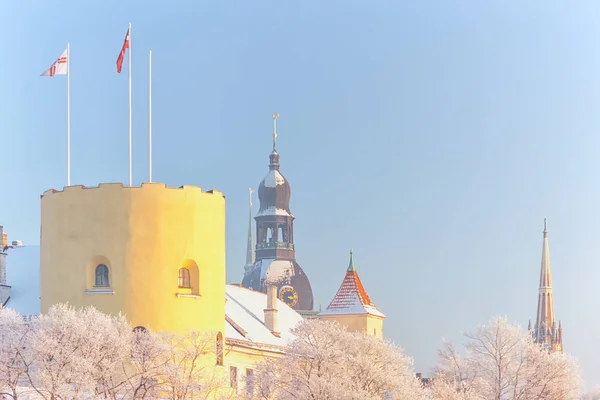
column 273, row 179
column 351, row 298
column 272, row 210
column 23, row 275
column 245, row 319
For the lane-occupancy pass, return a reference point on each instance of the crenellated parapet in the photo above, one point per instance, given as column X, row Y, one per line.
column 144, row 186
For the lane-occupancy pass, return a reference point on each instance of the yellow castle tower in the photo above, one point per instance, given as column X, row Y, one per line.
column 154, row 253
column 352, row 306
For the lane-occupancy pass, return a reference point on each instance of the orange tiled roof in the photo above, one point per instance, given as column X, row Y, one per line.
column 351, row 297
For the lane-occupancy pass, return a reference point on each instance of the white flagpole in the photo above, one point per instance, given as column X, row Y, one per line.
column 150, row 116
column 68, row 114
column 130, row 174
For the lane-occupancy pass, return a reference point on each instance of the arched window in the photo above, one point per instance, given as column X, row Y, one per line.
column 219, row 348
column 141, row 343
column 101, row 275
column 184, row 278
column 140, row 330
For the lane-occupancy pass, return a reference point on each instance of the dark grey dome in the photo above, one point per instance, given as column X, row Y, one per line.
column 274, row 190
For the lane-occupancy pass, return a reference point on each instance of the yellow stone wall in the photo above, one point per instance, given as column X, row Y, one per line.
column 144, row 235
column 364, row 323
column 244, row 358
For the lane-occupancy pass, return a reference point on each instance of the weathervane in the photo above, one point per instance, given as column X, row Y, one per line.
column 275, row 116
column 250, row 191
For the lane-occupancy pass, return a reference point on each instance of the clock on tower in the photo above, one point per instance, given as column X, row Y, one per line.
column 288, row 295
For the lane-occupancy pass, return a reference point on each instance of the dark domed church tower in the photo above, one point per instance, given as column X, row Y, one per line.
column 275, row 253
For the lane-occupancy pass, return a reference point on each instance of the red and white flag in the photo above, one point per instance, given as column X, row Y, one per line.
column 60, row 66
column 122, row 53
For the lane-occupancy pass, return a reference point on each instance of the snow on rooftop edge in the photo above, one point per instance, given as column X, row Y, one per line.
column 272, row 210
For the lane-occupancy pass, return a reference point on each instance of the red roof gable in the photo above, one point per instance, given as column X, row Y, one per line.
column 351, row 297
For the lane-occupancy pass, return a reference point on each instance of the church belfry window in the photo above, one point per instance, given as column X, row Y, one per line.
column 101, row 276
column 283, row 233
column 184, row 278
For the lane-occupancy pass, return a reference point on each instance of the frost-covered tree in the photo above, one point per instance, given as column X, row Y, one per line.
column 501, row 362
column 454, row 380
column 71, row 353
column 141, row 370
column 76, row 352
column 15, row 335
column 189, row 370
column 109, row 341
column 326, row 362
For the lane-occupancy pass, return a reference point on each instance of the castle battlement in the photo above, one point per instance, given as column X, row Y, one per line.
column 145, row 186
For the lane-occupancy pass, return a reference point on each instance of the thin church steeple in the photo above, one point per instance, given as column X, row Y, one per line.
column 250, row 245
column 545, row 330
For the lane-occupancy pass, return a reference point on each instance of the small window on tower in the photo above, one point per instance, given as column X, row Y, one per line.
column 139, row 342
column 184, row 278
column 140, row 330
column 101, row 276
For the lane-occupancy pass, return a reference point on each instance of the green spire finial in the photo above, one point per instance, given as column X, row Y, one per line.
column 351, row 265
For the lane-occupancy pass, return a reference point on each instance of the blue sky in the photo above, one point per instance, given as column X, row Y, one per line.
column 430, row 137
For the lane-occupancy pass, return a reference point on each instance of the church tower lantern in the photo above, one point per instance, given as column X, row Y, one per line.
column 275, row 252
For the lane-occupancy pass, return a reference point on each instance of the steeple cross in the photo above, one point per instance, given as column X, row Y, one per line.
column 250, row 191
column 275, row 116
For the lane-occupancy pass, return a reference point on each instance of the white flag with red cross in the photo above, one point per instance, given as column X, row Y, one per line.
column 60, row 66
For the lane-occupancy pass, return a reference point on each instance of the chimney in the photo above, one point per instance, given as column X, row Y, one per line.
column 271, row 310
